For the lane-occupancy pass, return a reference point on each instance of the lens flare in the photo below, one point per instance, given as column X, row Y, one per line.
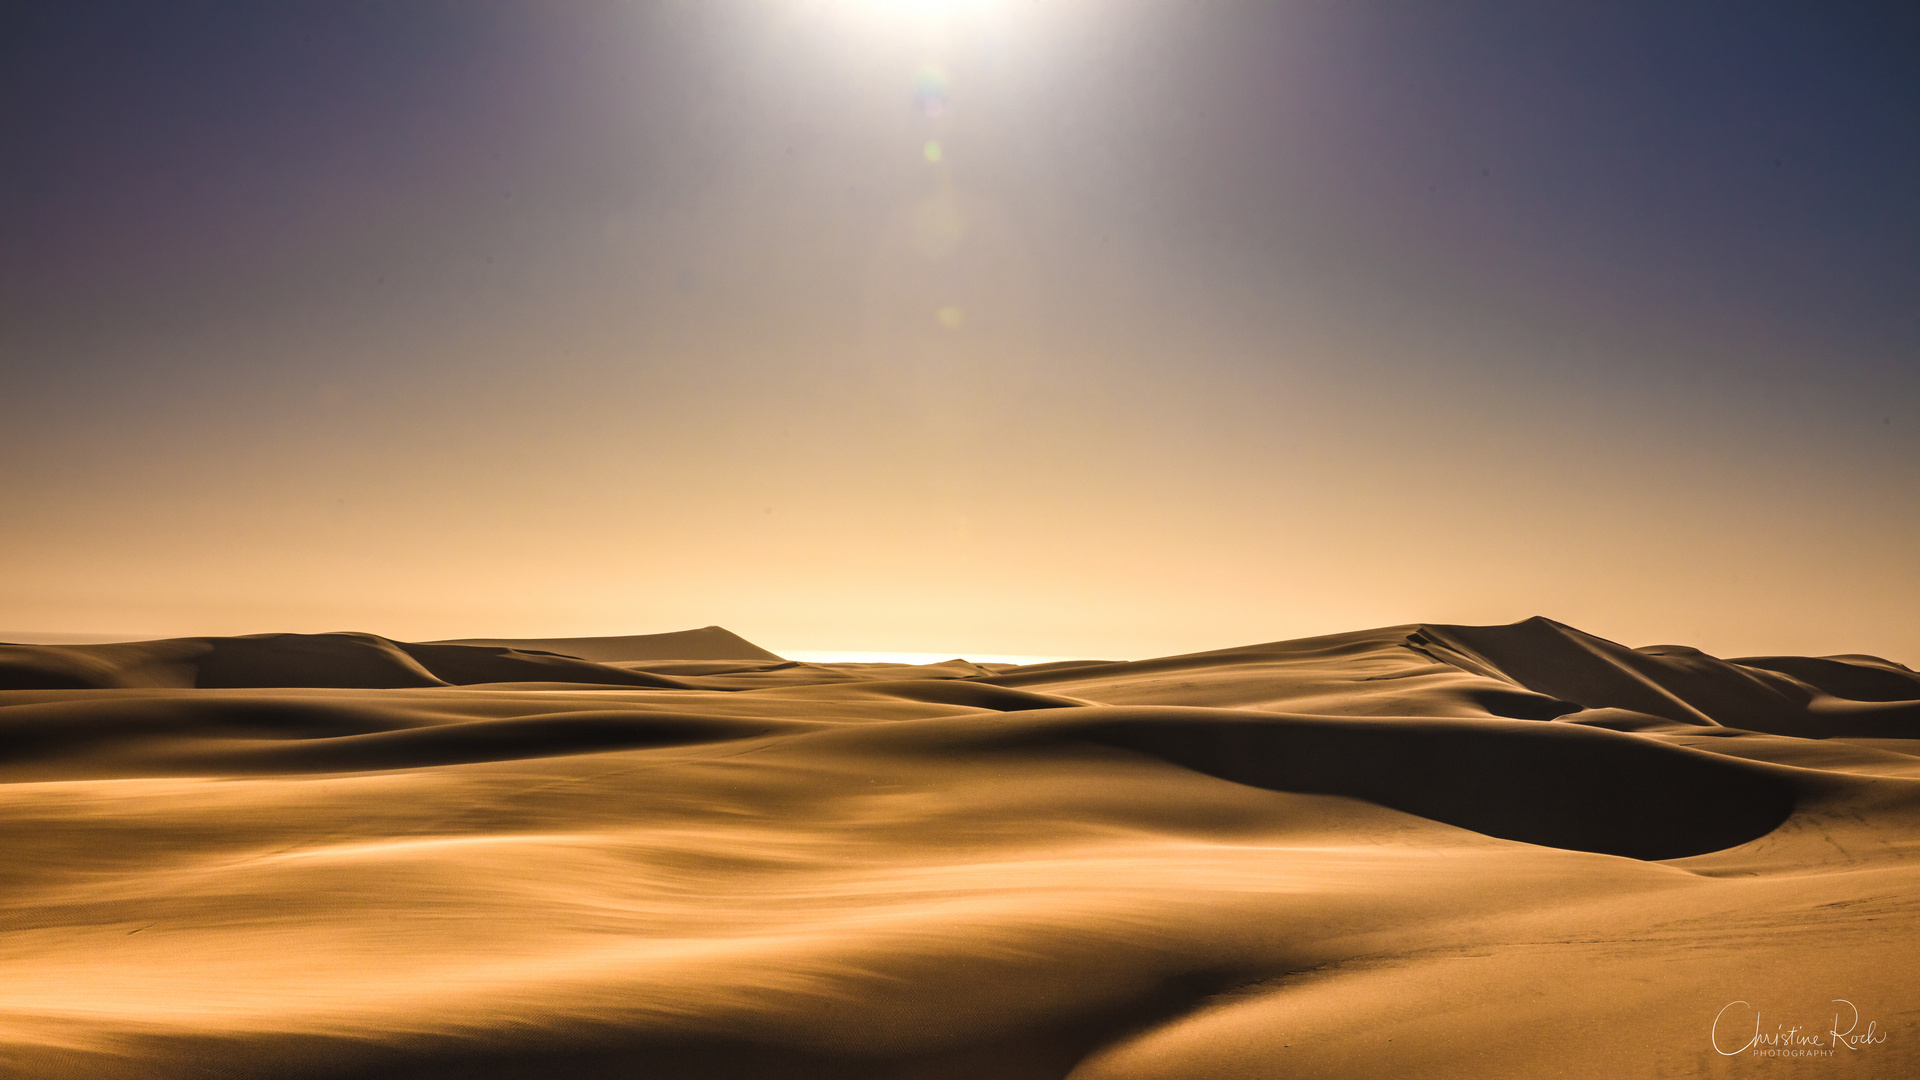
column 930, row 90
column 931, row 151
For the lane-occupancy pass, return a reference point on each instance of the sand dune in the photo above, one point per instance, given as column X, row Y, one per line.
column 706, row 643
column 1433, row 850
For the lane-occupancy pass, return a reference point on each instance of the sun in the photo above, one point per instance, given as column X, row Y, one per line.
column 923, row 16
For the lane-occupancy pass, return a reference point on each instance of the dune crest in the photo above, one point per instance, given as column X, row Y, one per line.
column 1869, row 696
column 1428, row 850
column 358, row 661
column 706, row 643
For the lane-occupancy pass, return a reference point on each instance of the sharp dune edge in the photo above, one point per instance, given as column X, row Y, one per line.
column 1424, row 850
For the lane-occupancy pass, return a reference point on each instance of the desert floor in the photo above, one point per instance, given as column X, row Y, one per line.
column 1417, row 851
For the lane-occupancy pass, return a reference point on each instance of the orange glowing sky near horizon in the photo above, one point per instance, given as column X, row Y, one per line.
column 1045, row 329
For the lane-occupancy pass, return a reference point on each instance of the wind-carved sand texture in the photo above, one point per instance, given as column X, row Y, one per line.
column 1432, row 851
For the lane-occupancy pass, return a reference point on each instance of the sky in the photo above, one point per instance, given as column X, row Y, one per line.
column 1013, row 327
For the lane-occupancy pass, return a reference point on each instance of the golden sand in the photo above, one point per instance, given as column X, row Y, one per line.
column 1429, row 851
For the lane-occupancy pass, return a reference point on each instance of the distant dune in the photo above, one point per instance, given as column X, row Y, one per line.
column 1423, row 850
column 707, row 643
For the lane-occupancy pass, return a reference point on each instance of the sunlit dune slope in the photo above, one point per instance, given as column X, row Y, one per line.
column 1431, row 850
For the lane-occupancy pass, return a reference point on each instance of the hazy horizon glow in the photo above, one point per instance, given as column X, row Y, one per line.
column 1204, row 326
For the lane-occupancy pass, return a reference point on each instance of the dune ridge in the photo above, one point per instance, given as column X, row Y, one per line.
column 344, row 660
column 706, row 643
column 1427, row 849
